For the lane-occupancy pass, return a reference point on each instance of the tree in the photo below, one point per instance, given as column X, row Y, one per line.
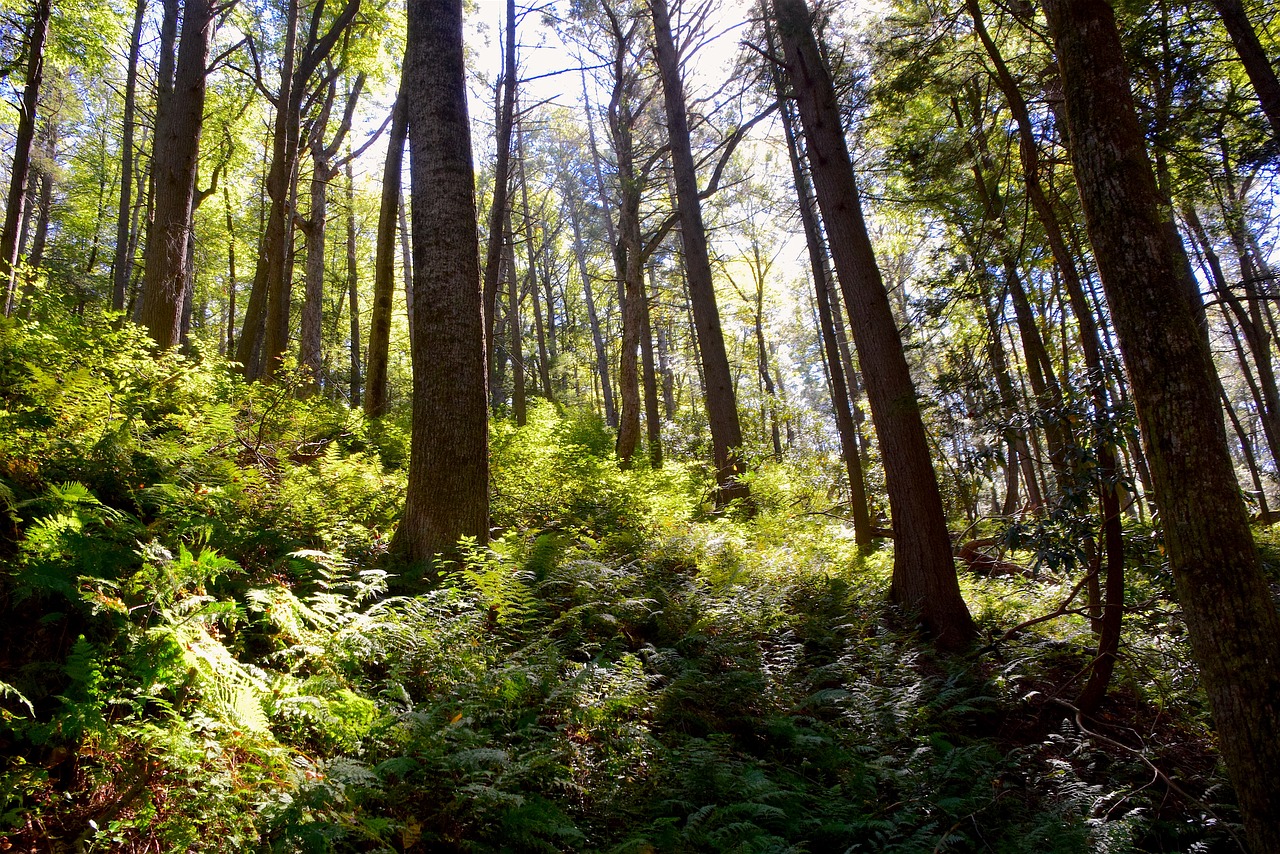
column 175, row 158
column 265, row 335
column 24, row 137
column 721, row 400
column 1231, row 618
column 500, row 204
column 384, row 285
column 123, row 263
column 924, row 575
column 449, row 467
column 1253, row 58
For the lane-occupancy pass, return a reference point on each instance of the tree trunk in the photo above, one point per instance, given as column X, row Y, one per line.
column 924, row 575
column 231, row 274
column 722, row 405
column 353, row 286
column 406, row 262
column 272, row 282
column 384, row 264
column 310, row 323
column 448, row 493
column 176, row 151
column 841, row 401
column 1254, row 58
column 272, row 246
column 531, row 253
column 519, row 403
column 23, row 137
column 1231, row 619
column 652, row 417
column 597, row 337
column 501, row 180
column 124, row 257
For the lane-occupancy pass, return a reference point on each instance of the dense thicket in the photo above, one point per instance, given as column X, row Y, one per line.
column 732, row 427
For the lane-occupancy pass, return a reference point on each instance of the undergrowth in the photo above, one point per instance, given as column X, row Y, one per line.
column 204, row 647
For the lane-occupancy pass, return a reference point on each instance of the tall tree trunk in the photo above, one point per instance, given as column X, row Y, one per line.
column 1231, row 618
column 722, row 405
column 43, row 206
column 123, row 262
column 273, row 277
column 23, row 137
column 519, row 403
column 310, row 323
column 628, row 268
column 272, row 247
column 664, row 368
column 231, row 274
column 531, row 253
column 353, row 285
column 593, row 318
column 924, row 574
column 406, row 263
column 500, row 205
column 652, row 416
column 176, row 152
column 1256, row 64
column 448, row 492
column 841, row 401
column 384, row 264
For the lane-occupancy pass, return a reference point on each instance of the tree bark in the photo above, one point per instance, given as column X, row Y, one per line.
column 924, row 574
column 841, row 402
column 722, row 405
column 23, row 137
column 1256, row 64
column 501, row 180
column 652, row 416
column 593, row 318
column 175, row 158
column 353, row 286
column 123, row 262
column 384, row 264
column 1231, row 619
column 448, row 493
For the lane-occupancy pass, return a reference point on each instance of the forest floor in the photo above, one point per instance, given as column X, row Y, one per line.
column 205, row 646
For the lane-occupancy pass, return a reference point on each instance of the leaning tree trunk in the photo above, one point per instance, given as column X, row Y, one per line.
column 722, row 404
column 21, row 162
column 1254, row 59
column 176, row 152
column 1231, row 618
column 924, row 574
column 448, row 494
column 384, row 265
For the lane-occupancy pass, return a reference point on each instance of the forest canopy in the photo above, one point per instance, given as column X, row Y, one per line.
column 639, row 425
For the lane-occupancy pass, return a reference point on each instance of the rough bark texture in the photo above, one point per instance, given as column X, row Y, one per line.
column 21, row 162
column 179, row 120
column 1231, row 619
column 448, row 494
column 924, row 574
column 384, row 265
column 722, row 404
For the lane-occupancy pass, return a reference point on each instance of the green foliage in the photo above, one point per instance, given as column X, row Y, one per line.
column 204, row 654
